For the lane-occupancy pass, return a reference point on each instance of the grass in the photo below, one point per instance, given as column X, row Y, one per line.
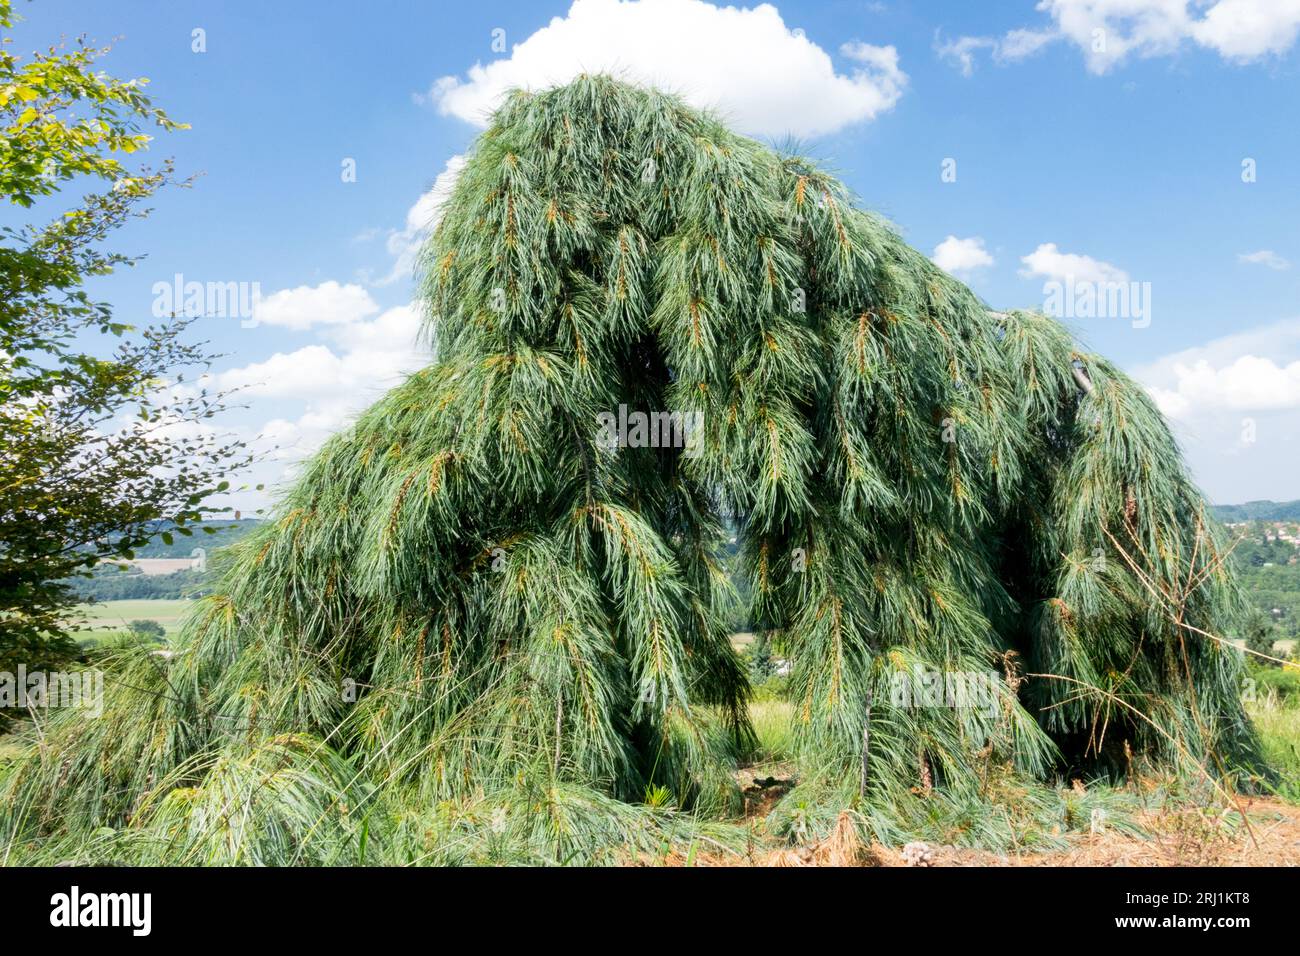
column 1005, row 816
column 111, row 617
column 773, row 727
column 1008, row 818
column 1041, row 816
column 1279, row 728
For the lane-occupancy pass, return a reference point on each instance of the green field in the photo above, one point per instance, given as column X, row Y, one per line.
column 111, row 617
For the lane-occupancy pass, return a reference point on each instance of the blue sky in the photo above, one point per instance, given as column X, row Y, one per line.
column 1094, row 138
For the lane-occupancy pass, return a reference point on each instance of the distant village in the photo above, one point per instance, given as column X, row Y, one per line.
column 1287, row 532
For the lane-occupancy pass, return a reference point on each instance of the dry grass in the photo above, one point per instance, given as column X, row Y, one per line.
column 1179, row 837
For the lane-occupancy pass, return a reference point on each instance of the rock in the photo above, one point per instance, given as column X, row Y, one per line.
column 918, row 854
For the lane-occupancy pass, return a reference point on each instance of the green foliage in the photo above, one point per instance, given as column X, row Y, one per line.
column 468, row 606
column 209, row 535
column 1279, row 730
column 111, row 583
column 1261, row 546
column 1007, row 812
column 147, row 629
column 1282, row 683
column 1269, row 572
column 61, row 118
column 773, row 722
column 89, row 435
column 1259, row 632
column 759, row 653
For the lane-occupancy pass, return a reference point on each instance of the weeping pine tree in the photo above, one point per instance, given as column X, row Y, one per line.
column 477, row 621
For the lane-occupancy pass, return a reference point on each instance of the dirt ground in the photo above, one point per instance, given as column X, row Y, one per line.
column 1176, row 837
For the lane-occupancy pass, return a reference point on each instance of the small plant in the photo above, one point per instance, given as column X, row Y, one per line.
column 658, row 797
column 1281, row 682
column 147, row 629
column 761, row 664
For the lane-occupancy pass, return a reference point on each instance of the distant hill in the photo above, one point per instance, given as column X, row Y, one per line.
column 224, row 532
column 1259, row 511
column 161, row 571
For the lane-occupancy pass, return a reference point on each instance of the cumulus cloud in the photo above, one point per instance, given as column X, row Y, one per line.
column 323, row 305
column 330, row 381
column 421, row 219
column 1051, row 263
column 1264, row 257
column 1250, row 383
column 363, row 359
column 1107, row 32
column 1258, row 370
column 956, row 256
column 1233, row 404
column 1245, row 30
column 763, row 76
column 309, row 393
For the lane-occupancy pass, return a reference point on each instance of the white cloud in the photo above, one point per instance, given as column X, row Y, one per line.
column 1233, row 404
column 313, row 391
column 1109, row 31
column 333, row 381
column 421, row 219
column 1248, row 29
column 765, row 77
column 395, row 331
column 289, row 441
column 1049, row 262
column 370, row 357
column 306, row 306
column 1280, row 340
column 1257, row 370
column 1264, row 257
column 962, row 51
column 955, row 255
column 1250, row 383
column 884, row 59
column 1016, row 45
